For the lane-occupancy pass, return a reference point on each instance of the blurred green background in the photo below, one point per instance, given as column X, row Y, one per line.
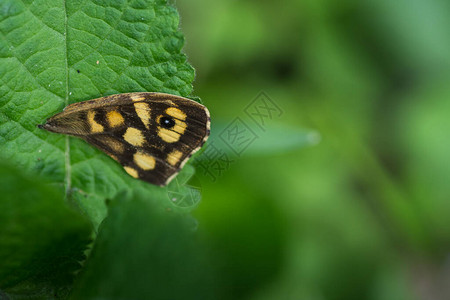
column 364, row 213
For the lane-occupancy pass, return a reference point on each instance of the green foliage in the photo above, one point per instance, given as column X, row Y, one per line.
column 271, row 140
column 41, row 239
column 54, row 53
column 144, row 250
column 362, row 215
column 365, row 212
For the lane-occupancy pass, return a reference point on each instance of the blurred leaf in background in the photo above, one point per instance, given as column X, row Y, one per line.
column 365, row 213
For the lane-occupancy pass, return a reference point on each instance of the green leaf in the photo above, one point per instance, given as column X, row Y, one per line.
column 185, row 191
column 272, row 139
column 41, row 239
column 53, row 53
column 144, row 251
column 278, row 139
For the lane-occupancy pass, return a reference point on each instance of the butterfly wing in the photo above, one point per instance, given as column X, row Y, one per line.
column 151, row 134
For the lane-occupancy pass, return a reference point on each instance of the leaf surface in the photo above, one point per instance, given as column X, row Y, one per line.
column 41, row 239
column 54, row 53
column 146, row 252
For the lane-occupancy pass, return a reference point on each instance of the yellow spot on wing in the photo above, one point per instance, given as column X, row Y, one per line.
column 95, row 127
column 174, row 157
column 176, row 113
column 179, row 127
column 168, row 135
column 137, row 98
column 143, row 112
column 131, row 171
column 144, row 161
column 134, row 137
column 114, row 118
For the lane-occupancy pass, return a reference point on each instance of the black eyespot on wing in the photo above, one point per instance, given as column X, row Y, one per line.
column 167, row 122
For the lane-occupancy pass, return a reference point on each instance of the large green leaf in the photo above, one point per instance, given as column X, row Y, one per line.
column 53, row 53
column 41, row 239
column 144, row 251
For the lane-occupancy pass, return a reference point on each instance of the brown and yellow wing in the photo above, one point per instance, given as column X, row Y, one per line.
column 151, row 134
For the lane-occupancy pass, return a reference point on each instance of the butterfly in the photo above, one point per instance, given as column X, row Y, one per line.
column 152, row 135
